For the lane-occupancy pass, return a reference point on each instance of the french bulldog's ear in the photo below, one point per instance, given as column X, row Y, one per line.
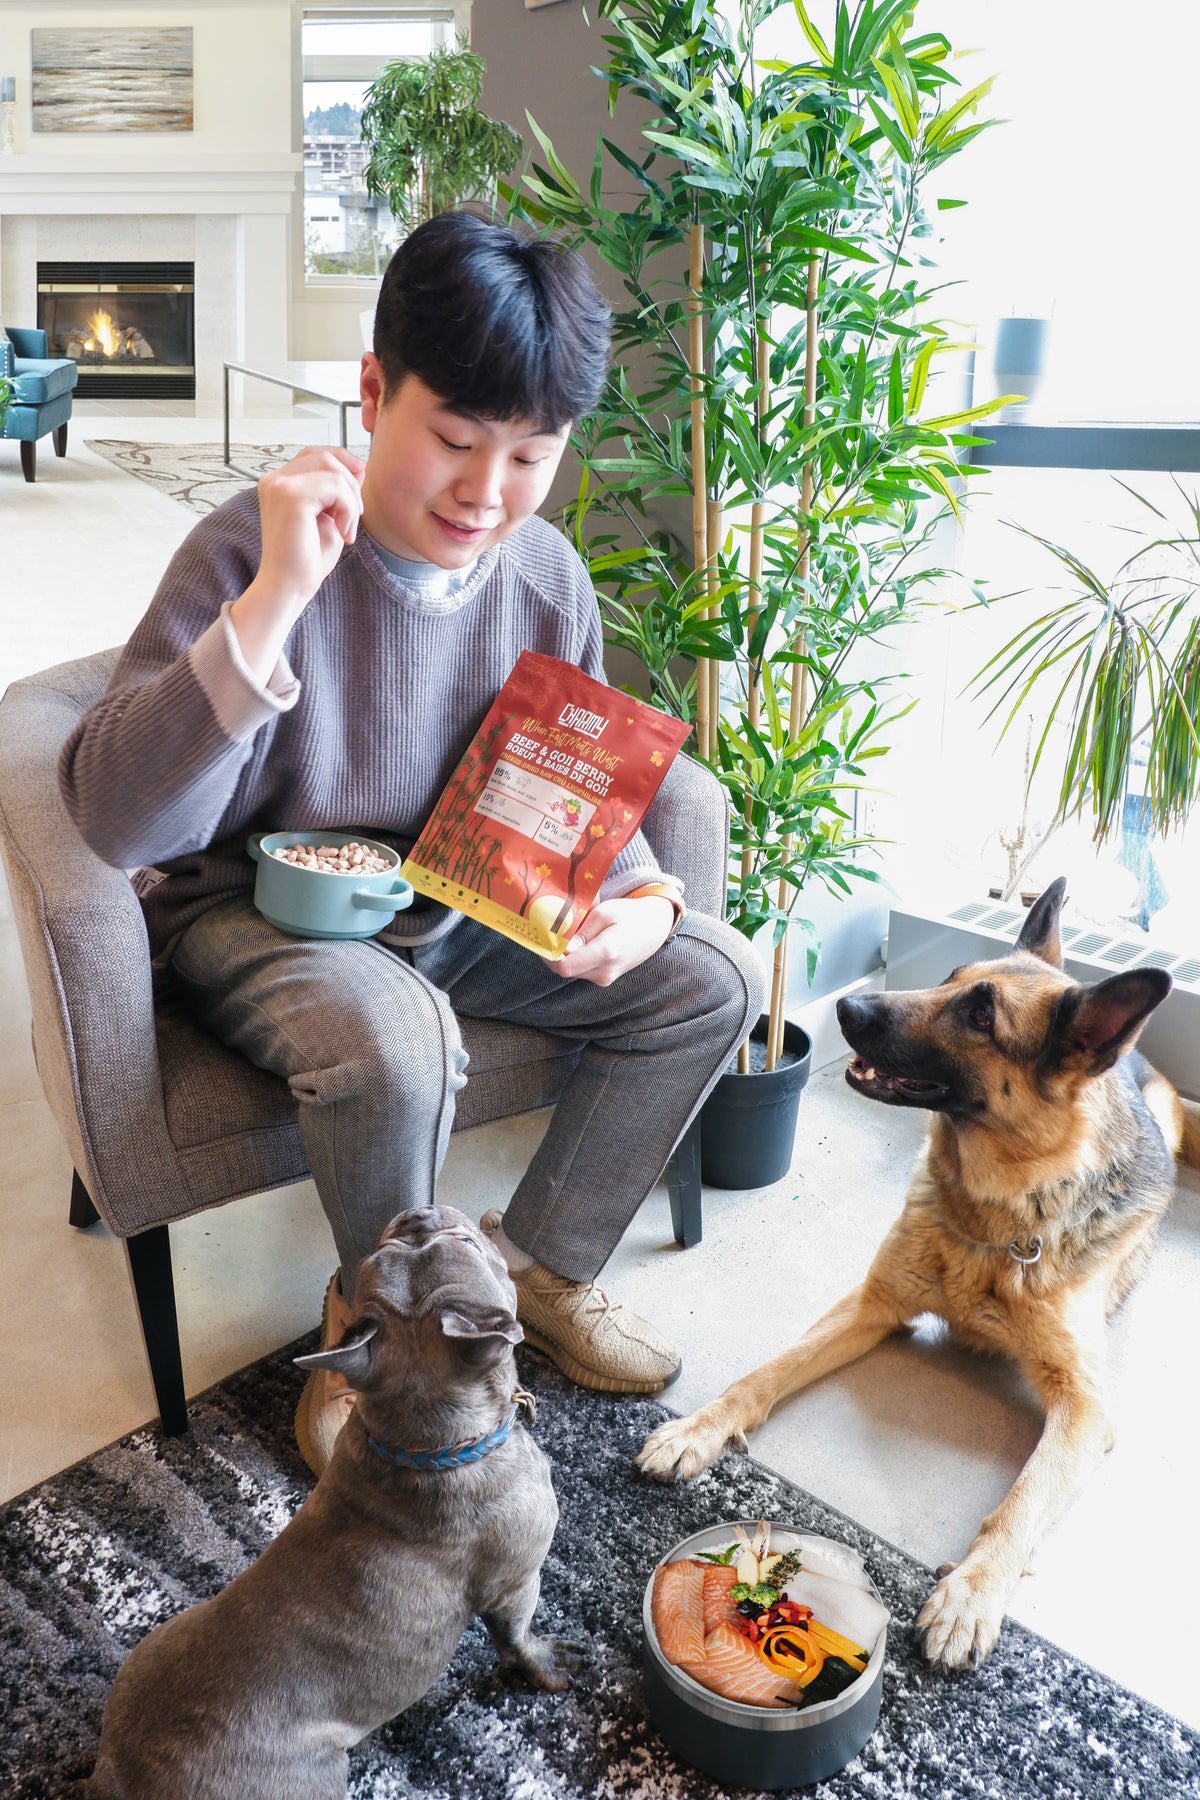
column 352, row 1358
column 1095, row 1025
column 481, row 1342
column 1040, row 934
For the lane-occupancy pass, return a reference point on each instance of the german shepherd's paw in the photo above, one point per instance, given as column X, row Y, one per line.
column 961, row 1620
column 683, row 1448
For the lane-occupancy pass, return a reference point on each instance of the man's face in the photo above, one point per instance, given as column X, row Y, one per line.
column 442, row 486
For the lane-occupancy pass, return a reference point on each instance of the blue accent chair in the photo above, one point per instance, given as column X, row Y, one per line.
column 42, row 401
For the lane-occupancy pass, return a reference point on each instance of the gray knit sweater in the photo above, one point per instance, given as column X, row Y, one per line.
column 379, row 693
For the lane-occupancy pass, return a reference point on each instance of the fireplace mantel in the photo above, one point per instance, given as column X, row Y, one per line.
column 109, row 183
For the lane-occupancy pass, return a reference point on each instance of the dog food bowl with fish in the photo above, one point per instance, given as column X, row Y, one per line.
column 318, row 903
column 770, row 1746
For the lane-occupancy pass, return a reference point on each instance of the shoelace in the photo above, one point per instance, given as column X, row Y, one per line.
column 595, row 1299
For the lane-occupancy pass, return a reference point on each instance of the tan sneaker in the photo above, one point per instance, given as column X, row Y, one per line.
column 327, row 1400
column 591, row 1337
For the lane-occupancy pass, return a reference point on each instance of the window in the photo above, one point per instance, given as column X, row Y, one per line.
column 348, row 236
column 1064, row 222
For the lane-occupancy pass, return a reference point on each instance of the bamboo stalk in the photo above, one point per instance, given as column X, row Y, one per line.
column 715, row 527
column 700, row 548
column 758, row 519
column 798, row 707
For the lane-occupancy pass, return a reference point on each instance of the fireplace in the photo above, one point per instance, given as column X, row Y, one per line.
column 129, row 326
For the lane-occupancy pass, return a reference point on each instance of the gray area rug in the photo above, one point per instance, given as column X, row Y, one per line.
column 194, row 474
column 92, row 1559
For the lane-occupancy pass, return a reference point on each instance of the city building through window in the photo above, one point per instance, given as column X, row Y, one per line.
column 348, row 235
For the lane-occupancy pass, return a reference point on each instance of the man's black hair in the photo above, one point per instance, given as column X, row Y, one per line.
column 495, row 324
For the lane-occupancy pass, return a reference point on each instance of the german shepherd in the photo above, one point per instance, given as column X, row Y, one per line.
column 1032, row 1212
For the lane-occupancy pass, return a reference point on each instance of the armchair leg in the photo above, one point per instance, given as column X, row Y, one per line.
column 28, row 458
column 83, row 1213
column 683, row 1185
column 60, row 439
column 149, row 1257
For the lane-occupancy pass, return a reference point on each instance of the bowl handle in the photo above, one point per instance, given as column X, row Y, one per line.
column 395, row 900
column 253, row 843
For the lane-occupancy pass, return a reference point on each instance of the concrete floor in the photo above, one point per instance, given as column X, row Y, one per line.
column 917, row 1441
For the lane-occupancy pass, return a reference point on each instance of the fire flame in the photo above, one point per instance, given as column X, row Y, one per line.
column 104, row 334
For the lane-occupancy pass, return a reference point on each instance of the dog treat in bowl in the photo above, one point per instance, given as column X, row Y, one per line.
column 292, row 891
column 350, row 858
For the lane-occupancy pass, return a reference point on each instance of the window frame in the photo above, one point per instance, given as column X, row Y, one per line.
column 453, row 15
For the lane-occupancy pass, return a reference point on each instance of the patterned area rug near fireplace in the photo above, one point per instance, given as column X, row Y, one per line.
column 93, row 1558
column 194, row 474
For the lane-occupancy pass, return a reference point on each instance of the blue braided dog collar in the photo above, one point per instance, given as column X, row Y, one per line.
column 453, row 1456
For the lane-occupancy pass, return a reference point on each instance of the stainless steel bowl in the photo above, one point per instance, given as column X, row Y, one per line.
column 749, row 1746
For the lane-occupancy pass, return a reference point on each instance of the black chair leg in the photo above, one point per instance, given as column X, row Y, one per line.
column 60, row 439
column 149, row 1257
column 683, row 1185
column 83, row 1213
column 28, row 458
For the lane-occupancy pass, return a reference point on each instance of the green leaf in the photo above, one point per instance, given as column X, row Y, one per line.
column 811, row 33
column 903, row 91
column 559, row 169
column 933, row 477
column 896, row 388
column 936, row 130
column 891, row 131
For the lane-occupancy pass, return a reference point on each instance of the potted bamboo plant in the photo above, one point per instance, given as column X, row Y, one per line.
column 773, row 354
column 431, row 145
column 1114, row 664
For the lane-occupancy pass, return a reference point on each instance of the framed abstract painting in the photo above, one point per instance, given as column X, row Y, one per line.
column 112, row 78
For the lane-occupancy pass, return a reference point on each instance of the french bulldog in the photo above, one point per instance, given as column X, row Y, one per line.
column 357, row 1607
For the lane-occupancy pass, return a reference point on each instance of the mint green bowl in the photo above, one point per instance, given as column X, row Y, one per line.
column 310, row 903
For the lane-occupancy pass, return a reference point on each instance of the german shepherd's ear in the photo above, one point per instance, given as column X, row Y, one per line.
column 1095, row 1025
column 1040, row 934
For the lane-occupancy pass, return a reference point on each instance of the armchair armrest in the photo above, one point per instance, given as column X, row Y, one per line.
column 687, row 827
column 87, row 960
column 27, row 340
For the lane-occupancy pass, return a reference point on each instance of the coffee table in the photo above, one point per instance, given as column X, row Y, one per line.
column 336, row 382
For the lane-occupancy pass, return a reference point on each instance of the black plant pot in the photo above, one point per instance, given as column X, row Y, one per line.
column 748, row 1122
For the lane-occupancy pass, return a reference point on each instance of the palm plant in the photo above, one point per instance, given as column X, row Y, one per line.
column 431, row 146
column 1118, row 662
column 773, row 354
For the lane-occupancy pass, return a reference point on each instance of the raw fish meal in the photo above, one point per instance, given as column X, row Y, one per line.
column 765, row 1626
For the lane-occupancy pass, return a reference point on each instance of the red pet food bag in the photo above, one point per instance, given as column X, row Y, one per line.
column 555, row 782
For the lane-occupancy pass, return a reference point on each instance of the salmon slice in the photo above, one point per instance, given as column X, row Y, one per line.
column 732, row 1667
column 719, row 1609
column 677, row 1610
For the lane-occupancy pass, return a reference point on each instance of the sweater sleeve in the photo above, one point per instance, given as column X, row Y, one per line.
column 147, row 774
column 635, row 865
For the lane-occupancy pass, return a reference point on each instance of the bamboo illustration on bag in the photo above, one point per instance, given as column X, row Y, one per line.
column 450, row 842
column 552, row 787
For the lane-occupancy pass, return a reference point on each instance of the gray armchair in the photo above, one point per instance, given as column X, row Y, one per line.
column 161, row 1119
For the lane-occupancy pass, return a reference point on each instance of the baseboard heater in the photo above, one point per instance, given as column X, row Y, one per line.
column 922, row 950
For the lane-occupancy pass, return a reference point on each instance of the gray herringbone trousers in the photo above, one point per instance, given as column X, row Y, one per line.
column 368, row 1041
